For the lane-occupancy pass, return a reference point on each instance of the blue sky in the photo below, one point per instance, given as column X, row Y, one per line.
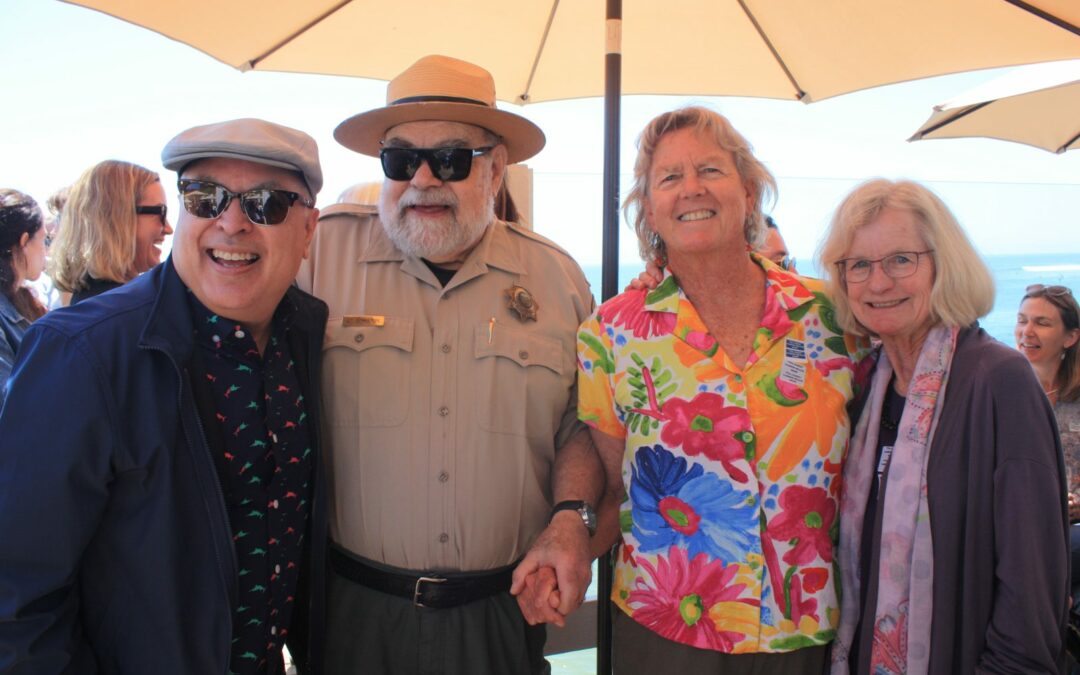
column 81, row 87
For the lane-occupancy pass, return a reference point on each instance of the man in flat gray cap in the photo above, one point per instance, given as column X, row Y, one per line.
column 449, row 380
column 173, row 520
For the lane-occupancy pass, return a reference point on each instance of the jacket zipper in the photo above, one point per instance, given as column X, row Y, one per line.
column 217, row 484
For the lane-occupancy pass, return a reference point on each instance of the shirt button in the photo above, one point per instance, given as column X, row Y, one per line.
column 277, row 569
column 239, row 334
column 443, row 477
column 523, row 354
column 273, row 437
column 445, row 349
column 273, row 630
column 444, row 411
column 215, row 338
column 359, row 337
column 443, row 538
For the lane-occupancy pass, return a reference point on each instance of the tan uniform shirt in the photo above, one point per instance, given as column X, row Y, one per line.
column 443, row 408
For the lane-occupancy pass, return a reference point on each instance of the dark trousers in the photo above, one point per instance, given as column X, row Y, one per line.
column 636, row 649
column 372, row 632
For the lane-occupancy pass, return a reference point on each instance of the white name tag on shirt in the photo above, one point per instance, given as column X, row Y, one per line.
column 793, row 371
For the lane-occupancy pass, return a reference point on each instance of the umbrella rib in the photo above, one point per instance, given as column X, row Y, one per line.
column 799, row 93
column 1043, row 14
column 251, row 65
column 945, row 122
column 524, row 96
column 1065, row 147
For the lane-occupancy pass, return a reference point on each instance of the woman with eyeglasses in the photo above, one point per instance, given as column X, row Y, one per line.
column 953, row 530
column 22, row 259
column 112, row 228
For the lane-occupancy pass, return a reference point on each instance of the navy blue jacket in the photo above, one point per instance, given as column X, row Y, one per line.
column 116, row 554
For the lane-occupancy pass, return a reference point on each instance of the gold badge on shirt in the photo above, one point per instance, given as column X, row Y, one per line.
column 357, row 320
column 522, row 303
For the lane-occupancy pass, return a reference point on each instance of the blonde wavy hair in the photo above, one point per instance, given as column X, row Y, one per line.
column 98, row 225
column 963, row 289
column 710, row 124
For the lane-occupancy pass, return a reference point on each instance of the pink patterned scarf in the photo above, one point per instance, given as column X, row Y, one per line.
column 901, row 621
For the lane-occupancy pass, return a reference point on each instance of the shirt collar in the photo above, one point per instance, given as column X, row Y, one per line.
column 789, row 287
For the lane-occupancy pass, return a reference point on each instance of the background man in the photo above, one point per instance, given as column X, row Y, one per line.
column 163, row 524
column 775, row 248
column 449, row 369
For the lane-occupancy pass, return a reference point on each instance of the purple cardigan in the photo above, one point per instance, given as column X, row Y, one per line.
column 996, row 491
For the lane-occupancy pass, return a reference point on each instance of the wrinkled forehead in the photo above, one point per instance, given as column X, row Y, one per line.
column 436, row 134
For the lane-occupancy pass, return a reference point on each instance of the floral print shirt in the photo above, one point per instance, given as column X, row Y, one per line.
column 732, row 473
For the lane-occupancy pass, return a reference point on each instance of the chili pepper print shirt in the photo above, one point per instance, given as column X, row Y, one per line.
column 732, row 473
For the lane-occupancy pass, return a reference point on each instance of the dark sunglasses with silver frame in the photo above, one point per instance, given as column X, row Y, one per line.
column 261, row 206
column 447, row 164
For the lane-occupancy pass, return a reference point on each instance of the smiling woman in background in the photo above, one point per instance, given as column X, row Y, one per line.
column 953, row 530
column 111, row 229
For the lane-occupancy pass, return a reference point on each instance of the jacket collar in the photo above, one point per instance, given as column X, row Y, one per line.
column 8, row 311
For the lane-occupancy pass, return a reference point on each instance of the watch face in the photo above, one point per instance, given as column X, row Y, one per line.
column 589, row 517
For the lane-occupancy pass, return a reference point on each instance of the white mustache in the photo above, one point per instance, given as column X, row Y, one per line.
column 440, row 196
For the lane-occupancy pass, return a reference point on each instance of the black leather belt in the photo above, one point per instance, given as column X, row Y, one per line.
column 437, row 590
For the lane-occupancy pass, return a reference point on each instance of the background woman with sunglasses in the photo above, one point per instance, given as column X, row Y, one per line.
column 22, row 258
column 111, row 230
column 953, row 531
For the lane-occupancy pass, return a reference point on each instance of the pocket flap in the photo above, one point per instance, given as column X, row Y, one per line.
column 395, row 332
column 521, row 346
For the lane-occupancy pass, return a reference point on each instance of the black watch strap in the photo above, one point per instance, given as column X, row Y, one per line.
column 583, row 508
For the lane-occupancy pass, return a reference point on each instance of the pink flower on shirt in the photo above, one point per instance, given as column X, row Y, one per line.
column 775, row 319
column 627, row 310
column 678, row 599
column 705, row 426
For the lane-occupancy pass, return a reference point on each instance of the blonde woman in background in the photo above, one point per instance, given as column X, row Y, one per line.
column 111, row 229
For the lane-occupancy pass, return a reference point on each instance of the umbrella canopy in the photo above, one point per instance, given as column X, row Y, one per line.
column 541, row 50
column 1036, row 105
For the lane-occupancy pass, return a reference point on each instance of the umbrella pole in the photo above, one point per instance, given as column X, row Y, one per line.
column 610, row 273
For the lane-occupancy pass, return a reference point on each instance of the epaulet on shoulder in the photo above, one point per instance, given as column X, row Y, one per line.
column 348, row 210
column 522, row 231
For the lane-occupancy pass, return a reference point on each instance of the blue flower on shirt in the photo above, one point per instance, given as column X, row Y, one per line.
column 674, row 504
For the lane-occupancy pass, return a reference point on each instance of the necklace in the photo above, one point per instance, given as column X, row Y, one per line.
column 1052, row 392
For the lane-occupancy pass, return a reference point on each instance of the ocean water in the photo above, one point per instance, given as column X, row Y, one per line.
column 1012, row 274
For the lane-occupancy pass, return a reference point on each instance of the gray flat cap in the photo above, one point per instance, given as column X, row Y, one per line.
column 251, row 140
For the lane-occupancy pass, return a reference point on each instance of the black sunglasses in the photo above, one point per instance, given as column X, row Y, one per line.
column 262, row 206
column 159, row 210
column 447, row 164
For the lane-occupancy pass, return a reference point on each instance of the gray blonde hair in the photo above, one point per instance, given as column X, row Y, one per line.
column 963, row 288
column 98, row 225
column 713, row 125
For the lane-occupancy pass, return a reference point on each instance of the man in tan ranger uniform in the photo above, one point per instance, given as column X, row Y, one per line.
column 449, row 385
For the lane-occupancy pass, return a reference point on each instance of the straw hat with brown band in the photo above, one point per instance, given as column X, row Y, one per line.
column 440, row 88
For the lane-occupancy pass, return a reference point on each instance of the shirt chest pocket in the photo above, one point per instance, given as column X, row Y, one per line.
column 367, row 373
column 522, row 384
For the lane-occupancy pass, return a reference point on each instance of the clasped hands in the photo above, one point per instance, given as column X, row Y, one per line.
column 551, row 580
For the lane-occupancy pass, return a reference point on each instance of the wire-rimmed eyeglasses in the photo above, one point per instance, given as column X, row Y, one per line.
column 895, row 265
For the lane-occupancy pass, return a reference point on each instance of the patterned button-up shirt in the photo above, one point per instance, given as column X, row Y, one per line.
column 732, row 471
column 265, row 471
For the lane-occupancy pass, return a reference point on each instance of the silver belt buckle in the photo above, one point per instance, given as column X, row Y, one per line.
column 416, row 590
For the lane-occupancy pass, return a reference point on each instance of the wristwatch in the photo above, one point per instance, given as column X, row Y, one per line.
column 583, row 508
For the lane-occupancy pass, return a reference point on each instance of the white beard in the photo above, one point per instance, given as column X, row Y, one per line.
column 449, row 236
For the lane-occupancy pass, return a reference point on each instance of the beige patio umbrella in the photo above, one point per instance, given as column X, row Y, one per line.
column 1036, row 105
column 541, row 50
